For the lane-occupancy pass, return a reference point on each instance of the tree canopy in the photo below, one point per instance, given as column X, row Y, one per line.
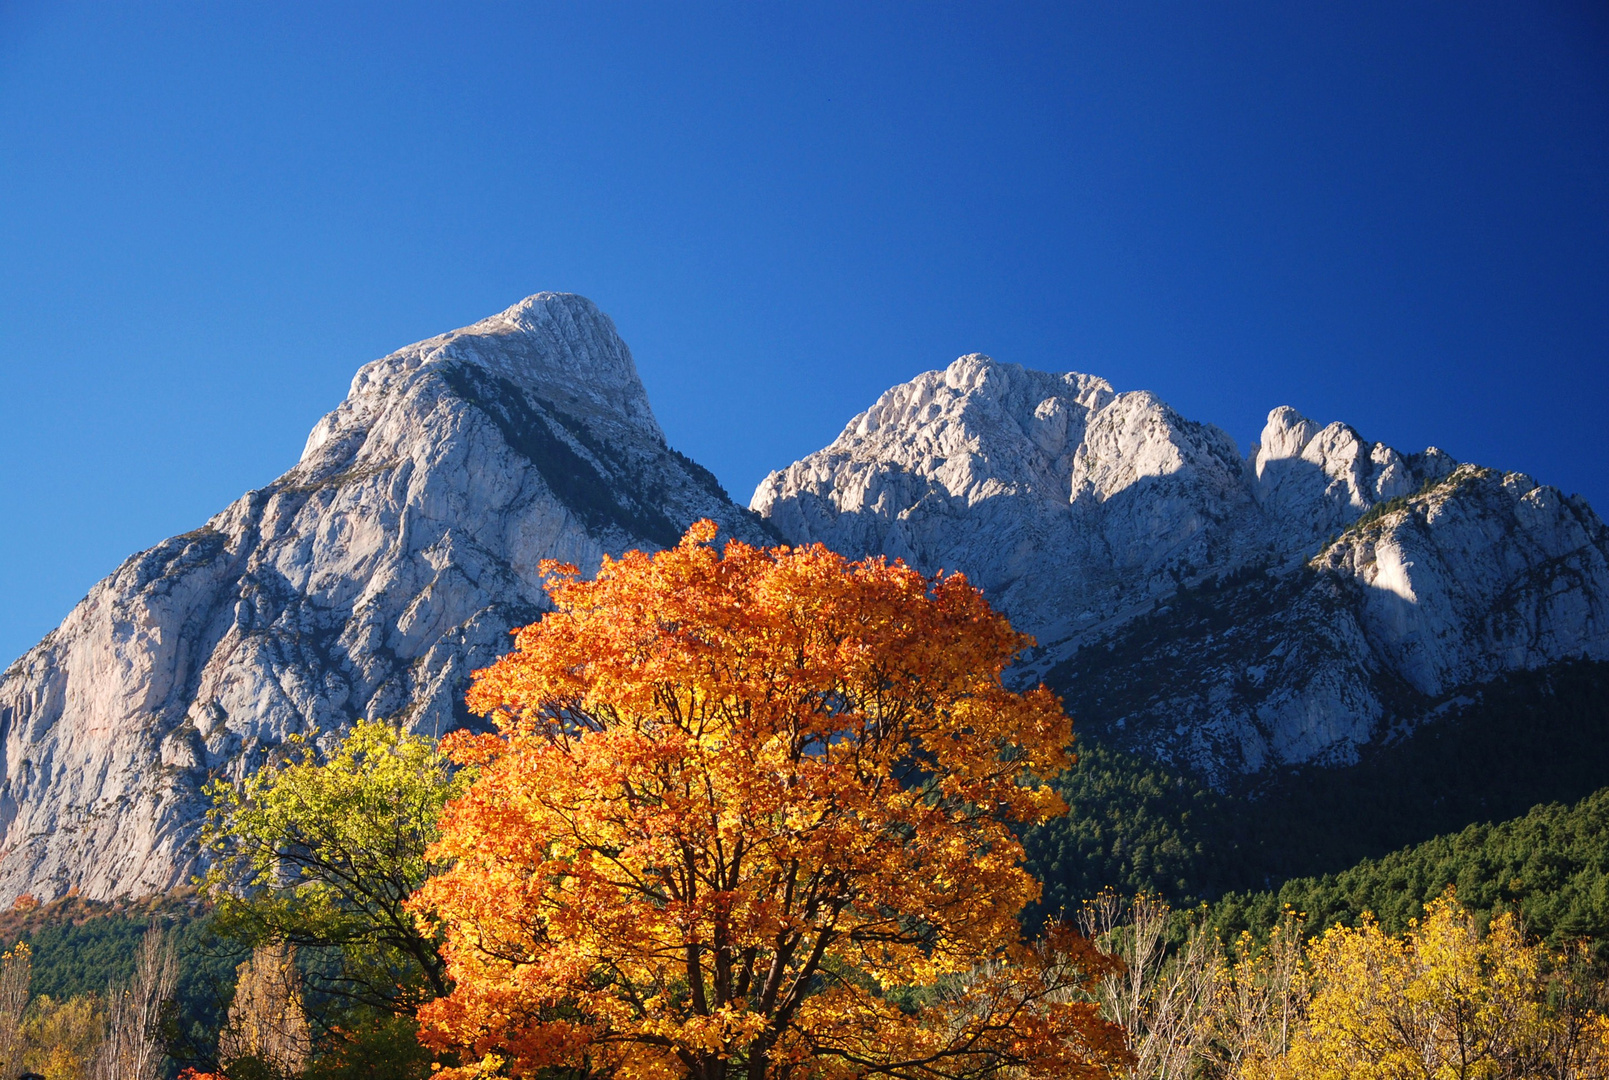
column 752, row 812
column 1444, row 1001
column 323, row 851
column 1551, row 866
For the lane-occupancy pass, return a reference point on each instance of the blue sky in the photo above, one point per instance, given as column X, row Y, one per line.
column 1392, row 214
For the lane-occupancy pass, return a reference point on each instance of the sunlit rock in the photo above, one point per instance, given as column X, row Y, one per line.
column 368, row 581
column 1357, row 582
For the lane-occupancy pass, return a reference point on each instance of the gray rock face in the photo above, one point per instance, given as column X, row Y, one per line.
column 1222, row 612
column 1064, row 501
column 1174, row 586
column 1483, row 572
column 368, row 581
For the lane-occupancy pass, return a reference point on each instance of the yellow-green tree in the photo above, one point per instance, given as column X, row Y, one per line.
column 16, row 968
column 1260, row 1002
column 63, row 1038
column 1444, row 1002
column 322, row 851
column 267, row 1033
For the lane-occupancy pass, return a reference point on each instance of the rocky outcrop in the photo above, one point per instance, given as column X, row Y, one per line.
column 1222, row 612
column 1312, row 481
column 1174, row 585
column 1481, row 573
column 368, row 581
column 1067, row 502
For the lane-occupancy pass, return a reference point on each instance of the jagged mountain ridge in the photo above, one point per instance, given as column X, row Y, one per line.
column 368, row 581
column 1084, row 512
column 372, row 577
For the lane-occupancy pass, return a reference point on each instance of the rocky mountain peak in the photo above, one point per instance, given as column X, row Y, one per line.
column 1096, row 519
column 1312, row 480
column 562, row 346
column 554, row 347
column 975, row 430
column 368, row 581
column 1067, row 502
column 1286, row 435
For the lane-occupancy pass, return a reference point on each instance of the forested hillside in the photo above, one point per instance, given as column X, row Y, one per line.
column 1551, row 866
column 1538, row 737
column 81, row 947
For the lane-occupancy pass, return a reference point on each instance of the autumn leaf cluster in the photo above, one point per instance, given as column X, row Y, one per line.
column 1444, row 1001
column 752, row 812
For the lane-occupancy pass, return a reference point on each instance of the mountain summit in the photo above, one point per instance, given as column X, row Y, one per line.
column 1221, row 612
column 368, row 581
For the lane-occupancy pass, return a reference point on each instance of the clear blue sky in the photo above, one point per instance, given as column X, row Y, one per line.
column 1393, row 214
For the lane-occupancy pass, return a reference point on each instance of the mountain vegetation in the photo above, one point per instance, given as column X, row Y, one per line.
column 1549, row 867
column 1226, row 990
column 78, row 947
column 1449, row 997
column 1137, row 825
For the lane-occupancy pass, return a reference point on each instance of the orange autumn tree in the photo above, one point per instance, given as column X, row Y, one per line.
column 749, row 814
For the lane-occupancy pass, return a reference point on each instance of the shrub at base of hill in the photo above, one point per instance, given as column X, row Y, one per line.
column 62, row 1037
column 1445, row 1000
column 378, row 1046
column 317, row 853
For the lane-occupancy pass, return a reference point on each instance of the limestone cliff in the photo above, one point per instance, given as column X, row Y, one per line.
column 368, row 581
column 1179, row 591
column 1223, row 612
